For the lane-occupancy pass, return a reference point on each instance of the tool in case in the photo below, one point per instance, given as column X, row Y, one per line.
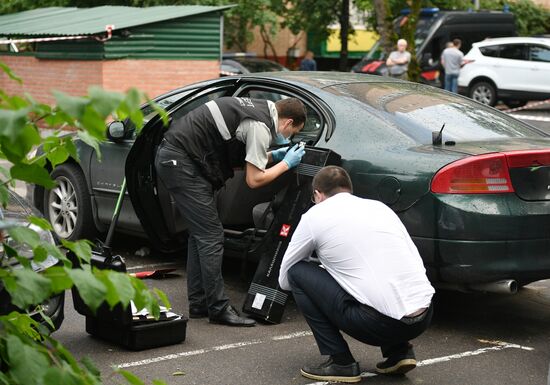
column 133, row 329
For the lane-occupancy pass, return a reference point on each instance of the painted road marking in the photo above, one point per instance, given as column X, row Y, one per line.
column 497, row 345
column 530, row 117
column 213, row 349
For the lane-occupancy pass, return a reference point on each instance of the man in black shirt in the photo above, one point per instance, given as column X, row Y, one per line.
column 197, row 156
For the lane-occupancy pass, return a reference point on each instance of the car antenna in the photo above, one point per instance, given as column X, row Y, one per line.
column 437, row 136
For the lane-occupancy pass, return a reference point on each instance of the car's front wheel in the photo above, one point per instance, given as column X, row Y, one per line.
column 483, row 92
column 67, row 206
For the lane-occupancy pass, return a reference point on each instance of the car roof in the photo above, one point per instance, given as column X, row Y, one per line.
column 513, row 40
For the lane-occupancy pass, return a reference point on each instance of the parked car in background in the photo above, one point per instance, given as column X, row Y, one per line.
column 15, row 214
column 470, row 183
column 513, row 70
column 434, row 30
column 237, row 65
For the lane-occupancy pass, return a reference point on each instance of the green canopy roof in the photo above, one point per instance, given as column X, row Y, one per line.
column 61, row 21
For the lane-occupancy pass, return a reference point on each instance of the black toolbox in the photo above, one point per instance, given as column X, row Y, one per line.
column 119, row 325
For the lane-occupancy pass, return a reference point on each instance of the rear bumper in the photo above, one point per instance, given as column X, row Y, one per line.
column 470, row 262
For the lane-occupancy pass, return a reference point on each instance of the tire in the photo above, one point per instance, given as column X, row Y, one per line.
column 67, row 206
column 483, row 92
column 515, row 103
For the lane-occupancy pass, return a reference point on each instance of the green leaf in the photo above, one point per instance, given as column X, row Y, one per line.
column 40, row 222
column 40, row 254
column 32, row 173
column 123, row 289
column 131, row 378
column 55, row 150
column 90, row 141
column 89, row 365
column 161, row 111
column 59, row 279
column 27, row 365
column 82, row 249
column 104, row 102
column 93, row 123
column 4, row 195
column 11, row 122
column 61, row 375
column 10, row 74
column 71, row 148
column 32, row 288
column 91, row 289
column 17, row 147
column 72, row 105
column 158, row 382
column 25, row 235
column 56, row 252
column 163, row 297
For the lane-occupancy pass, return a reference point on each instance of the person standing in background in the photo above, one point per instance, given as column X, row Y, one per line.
column 398, row 61
column 452, row 60
column 308, row 63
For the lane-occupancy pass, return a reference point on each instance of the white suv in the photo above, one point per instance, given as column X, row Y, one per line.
column 511, row 69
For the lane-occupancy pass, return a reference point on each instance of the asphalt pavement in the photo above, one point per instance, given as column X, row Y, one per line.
column 475, row 338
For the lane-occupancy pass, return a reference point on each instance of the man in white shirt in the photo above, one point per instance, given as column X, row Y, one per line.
column 371, row 284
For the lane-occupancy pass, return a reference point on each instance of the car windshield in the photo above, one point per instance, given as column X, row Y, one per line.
column 418, row 110
column 422, row 30
column 257, row 65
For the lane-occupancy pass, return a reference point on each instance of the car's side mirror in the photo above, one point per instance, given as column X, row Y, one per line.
column 116, row 131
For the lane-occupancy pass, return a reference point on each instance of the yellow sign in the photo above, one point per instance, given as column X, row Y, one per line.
column 361, row 41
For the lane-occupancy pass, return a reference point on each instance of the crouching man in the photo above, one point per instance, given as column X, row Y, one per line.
column 371, row 284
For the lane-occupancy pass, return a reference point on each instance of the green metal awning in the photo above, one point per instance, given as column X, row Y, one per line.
column 61, row 21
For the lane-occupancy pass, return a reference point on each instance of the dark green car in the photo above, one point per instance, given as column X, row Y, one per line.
column 471, row 184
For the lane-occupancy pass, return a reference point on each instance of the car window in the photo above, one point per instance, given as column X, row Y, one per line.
column 539, row 53
column 491, row 50
column 417, row 111
column 514, row 51
column 314, row 122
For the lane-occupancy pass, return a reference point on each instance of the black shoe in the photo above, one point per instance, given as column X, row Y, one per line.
column 329, row 371
column 198, row 312
column 231, row 317
column 398, row 364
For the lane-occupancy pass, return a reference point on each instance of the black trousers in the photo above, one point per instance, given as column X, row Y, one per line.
column 196, row 202
column 329, row 309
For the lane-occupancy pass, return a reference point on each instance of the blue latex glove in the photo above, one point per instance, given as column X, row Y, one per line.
column 278, row 154
column 294, row 156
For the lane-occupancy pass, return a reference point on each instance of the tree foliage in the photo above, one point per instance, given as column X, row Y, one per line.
column 28, row 355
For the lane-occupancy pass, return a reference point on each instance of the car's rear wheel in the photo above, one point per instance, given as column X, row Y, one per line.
column 483, row 92
column 67, row 206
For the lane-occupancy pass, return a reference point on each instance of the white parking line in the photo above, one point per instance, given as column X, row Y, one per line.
column 530, row 117
column 215, row 348
column 498, row 345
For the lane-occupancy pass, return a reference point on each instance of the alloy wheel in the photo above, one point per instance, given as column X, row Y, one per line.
column 63, row 207
column 483, row 94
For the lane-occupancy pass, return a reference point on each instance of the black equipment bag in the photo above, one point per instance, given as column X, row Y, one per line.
column 118, row 325
column 265, row 299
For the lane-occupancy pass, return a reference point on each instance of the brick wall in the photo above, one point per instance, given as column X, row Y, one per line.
column 74, row 77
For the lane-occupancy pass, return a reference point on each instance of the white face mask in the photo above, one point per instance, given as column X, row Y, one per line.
column 280, row 139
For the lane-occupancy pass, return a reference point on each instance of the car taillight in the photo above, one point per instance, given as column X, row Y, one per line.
column 528, row 158
column 482, row 174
